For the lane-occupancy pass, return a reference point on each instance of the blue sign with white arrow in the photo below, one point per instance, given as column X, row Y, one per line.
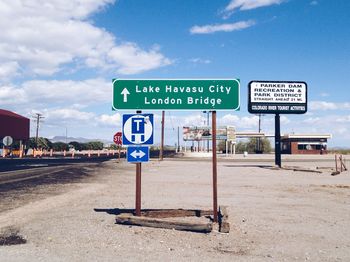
column 137, row 154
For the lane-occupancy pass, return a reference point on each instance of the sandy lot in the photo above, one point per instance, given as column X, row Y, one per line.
column 275, row 215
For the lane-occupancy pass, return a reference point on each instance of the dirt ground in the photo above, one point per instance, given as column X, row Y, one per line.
column 275, row 215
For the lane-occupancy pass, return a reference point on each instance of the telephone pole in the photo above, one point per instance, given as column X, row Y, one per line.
column 162, row 137
column 178, row 139
column 259, row 138
column 207, row 112
column 37, row 119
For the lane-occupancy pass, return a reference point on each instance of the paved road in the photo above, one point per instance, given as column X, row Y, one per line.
column 24, row 174
column 8, row 164
column 19, row 187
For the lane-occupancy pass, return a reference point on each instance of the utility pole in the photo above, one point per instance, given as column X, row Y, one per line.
column 208, row 112
column 259, row 138
column 259, row 123
column 162, row 138
column 178, row 139
column 37, row 118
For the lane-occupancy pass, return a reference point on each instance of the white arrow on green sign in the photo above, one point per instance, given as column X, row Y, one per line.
column 176, row 94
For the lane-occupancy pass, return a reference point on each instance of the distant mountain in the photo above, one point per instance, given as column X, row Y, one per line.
column 77, row 139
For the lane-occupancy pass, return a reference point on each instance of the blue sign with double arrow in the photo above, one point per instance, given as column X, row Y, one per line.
column 137, row 154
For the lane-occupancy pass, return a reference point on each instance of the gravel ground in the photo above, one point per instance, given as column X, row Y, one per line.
column 276, row 215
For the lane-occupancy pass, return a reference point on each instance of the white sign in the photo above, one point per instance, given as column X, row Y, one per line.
column 277, row 97
column 262, row 92
column 138, row 129
column 7, row 140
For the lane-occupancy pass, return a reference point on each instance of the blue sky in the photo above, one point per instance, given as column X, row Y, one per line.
column 59, row 57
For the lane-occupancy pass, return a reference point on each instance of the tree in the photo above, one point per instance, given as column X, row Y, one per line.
column 265, row 145
column 113, row 146
column 43, row 143
column 60, row 146
column 241, row 147
column 250, row 146
column 95, row 145
column 76, row 145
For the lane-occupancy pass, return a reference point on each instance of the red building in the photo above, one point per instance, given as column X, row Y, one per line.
column 14, row 125
column 304, row 144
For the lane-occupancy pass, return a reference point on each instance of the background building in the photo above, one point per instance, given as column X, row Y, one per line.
column 14, row 125
column 304, row 143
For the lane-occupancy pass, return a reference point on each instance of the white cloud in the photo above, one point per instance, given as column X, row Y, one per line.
column 65, row 92
column 343, row 119
column 8, row 93
column 194, row 120
column 247, row 5
column 209, row 29
column 229, row 119
column 41, row 37
column 284, row 120
column 244, row 122
column 312, row 120
column 250, row 4
column 323, row 105
column 79, row 123
column 8, row 69
column 74, row 117
column 110, row 120
column 131, row 59
column 314, row 2
column 198, row 60
column 67, row 114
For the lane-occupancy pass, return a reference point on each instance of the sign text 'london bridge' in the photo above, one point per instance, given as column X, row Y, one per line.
column 176, row 94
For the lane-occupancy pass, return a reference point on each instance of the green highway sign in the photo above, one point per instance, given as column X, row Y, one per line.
column 176, row 94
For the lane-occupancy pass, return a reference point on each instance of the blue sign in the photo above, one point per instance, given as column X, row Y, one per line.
column 137, row 154
column 138, row 129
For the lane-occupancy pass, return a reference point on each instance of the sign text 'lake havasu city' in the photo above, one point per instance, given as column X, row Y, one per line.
column 176, row 94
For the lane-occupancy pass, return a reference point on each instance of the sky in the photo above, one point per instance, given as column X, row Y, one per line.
column 58, row 58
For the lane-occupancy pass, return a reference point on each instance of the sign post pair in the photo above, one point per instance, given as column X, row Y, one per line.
column 137, row 132
column 277, row 97
column 170, row 94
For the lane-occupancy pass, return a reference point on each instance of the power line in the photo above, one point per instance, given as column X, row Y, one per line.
column 171, row 121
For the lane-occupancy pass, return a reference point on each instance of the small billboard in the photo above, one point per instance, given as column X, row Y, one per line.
column 199, row 133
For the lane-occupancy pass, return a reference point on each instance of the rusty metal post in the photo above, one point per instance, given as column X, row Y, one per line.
column 162, row 138
column 215, row 185
column 138, row 190
column 138, row 186
column 341, row 163
column 336, row 163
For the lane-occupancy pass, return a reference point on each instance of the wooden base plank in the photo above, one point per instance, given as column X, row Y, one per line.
column 176, row 213
column 160, row 223
column 295, row 168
